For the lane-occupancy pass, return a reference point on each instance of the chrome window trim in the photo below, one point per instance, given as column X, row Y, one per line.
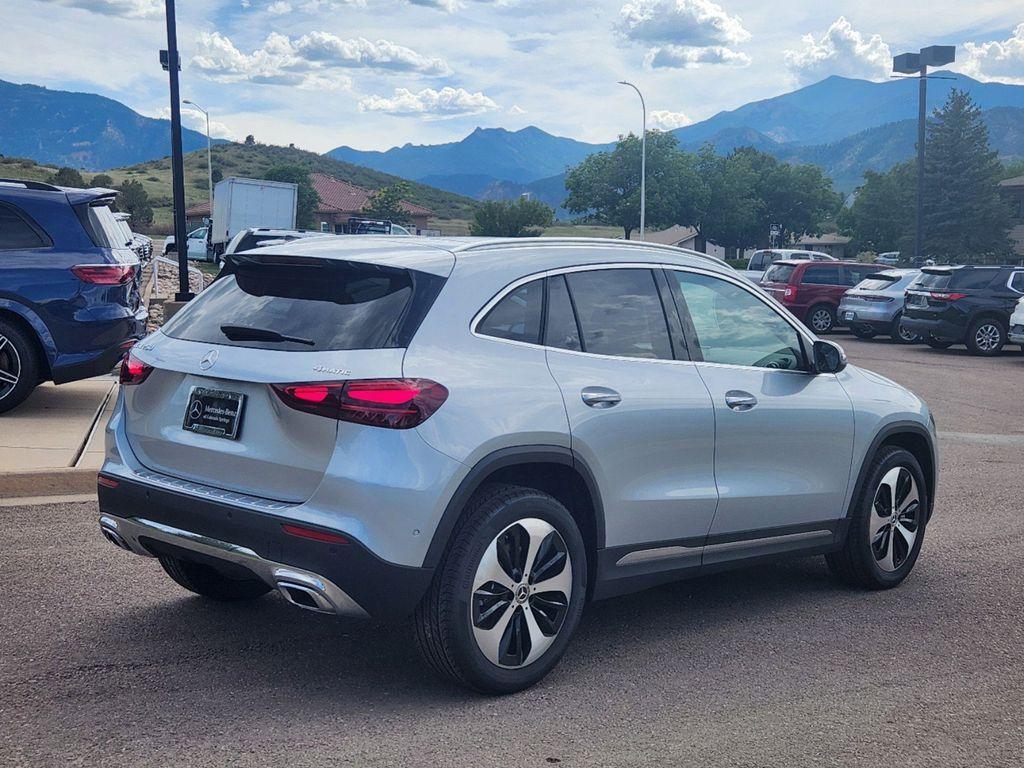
column 750, row 288
column 1009, row 281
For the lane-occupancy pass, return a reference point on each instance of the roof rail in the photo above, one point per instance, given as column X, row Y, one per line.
column 37, row 185
column 601, row 242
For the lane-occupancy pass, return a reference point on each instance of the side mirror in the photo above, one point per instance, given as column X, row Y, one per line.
column 828, row 357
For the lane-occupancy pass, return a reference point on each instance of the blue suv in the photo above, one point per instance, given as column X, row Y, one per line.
column 69, row 287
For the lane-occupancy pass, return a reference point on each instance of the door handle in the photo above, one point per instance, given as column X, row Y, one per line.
column 739, row 400
column 600, row 397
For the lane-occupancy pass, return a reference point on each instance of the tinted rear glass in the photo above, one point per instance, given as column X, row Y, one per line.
column 334, row 304
column 16, row 232
column 517, row 316
column 937, row 281
column 973, row 278
column 779, row 273
column 823, row 275
column 877, row 283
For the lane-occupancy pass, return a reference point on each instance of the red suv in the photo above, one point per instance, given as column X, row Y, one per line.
column 812, row 290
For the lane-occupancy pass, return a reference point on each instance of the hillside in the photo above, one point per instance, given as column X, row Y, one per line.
column 81, row 130
column 254, row 160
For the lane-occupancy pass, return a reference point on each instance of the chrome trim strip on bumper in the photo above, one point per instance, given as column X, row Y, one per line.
column 325, row 596
column 205, row 491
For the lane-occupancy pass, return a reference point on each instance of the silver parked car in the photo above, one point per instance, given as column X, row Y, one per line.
column 875, row 305
column 488, row 434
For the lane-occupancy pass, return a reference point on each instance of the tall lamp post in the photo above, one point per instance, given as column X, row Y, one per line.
column 917, row 64
column 209, row 154
column 172, row 64
column 643, row 158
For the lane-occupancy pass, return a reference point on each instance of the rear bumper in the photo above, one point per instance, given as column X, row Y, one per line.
column 878, row 316
column 345, row 579
column 122, row 333
column 938, row 328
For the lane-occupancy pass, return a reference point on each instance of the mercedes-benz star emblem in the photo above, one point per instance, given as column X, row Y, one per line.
column 208, row 360
column 196, row 410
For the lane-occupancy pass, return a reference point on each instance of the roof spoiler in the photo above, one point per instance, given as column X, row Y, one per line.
column 94, row 196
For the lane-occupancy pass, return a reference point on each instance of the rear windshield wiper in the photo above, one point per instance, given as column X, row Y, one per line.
column 245, row 333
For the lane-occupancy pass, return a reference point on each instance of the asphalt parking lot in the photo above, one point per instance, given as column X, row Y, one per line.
column 103, row 660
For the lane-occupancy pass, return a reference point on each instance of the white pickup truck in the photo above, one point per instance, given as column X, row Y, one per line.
column 761, row 260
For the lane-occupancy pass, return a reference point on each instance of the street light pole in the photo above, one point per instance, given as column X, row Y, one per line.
column 209, row 153
column 643, row 158
column 177, row 160
column 918, row 63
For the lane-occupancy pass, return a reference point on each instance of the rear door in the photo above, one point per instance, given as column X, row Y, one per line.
column 208, row 414
column 639, row 415
column 783, row 436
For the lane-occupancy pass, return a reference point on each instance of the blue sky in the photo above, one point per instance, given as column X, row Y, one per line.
column 377, row 73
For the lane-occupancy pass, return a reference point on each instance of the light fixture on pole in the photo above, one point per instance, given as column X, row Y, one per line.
column 643, row 158
column 209, row 153
column 917, row 64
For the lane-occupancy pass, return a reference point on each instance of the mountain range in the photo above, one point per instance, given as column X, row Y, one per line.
column 81, row 130
column 844, row 125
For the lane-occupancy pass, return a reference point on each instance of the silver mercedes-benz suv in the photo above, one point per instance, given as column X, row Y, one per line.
column 488, row 434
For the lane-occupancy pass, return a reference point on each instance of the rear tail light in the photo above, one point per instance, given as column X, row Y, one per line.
column 104, row 274
column 789, row 294
column 947, row 296
column 133, row 370
column 390, row 403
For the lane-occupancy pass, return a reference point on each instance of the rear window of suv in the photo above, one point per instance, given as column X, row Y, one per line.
column 779, row 273
column 956, row 278
column 328, row 305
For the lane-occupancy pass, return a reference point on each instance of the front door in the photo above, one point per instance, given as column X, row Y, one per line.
column 641, row 418
column 783, row 435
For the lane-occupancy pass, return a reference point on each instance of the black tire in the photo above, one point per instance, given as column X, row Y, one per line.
column 863, row 331
column 858, row 563
column 986, row 337
column 934, row 343
column 902, row 337
column 444, row 620
column 209, row 582
column 20, row 360
column 821, row 318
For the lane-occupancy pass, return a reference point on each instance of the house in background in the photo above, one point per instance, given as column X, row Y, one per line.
column 686, row 237
column 832, row 244
column 338, row 201
column 682, row 237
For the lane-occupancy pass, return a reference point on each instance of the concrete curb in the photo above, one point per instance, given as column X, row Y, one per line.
column 72, row 481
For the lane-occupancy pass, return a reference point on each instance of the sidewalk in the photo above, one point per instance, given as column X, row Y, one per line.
column 53, row 443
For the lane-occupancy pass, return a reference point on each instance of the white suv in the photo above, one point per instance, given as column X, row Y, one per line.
column 487, row 434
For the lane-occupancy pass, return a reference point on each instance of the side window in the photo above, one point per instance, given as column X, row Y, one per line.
column 16, row 233
column 560, row 330
column 820, row 274
column 1017, row 282
column 620, row 313
column 736, row 328
column 517, row 316
column 757, row 260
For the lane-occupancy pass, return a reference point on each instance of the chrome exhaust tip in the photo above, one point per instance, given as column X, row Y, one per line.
column 108, row 528
column 304, row 591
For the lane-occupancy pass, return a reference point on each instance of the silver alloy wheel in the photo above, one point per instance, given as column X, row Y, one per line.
column 521, row 593
column 10, row 367
column 821, row 320
column 987, row 337
column 895, row 519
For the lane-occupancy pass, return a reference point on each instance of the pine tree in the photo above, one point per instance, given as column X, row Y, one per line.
column 965, row 218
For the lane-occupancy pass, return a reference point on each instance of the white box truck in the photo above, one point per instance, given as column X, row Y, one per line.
column 243, row 203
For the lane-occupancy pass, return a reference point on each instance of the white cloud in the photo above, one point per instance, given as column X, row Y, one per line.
column 132, row 9
column 442, row 5
column 1001, row 60
column 431, row 104
column 311, row 61
column 515, row 109
column 680, row 22
column 690, row 57
column 194, row 119
column 666, row 120
column 842, row 50
column 279, row 8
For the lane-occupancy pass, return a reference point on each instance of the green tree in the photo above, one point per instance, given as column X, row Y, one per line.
column 606, row 185
column 250, row 140
column 965, row 217
column 101, row 180
column 305, row 208
column 725, row 206
column 67, row 177
column 511, row 218
column 799, row 198
column 216, row 175
column 882, row 215
column 132, row 198
column 389, row 203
